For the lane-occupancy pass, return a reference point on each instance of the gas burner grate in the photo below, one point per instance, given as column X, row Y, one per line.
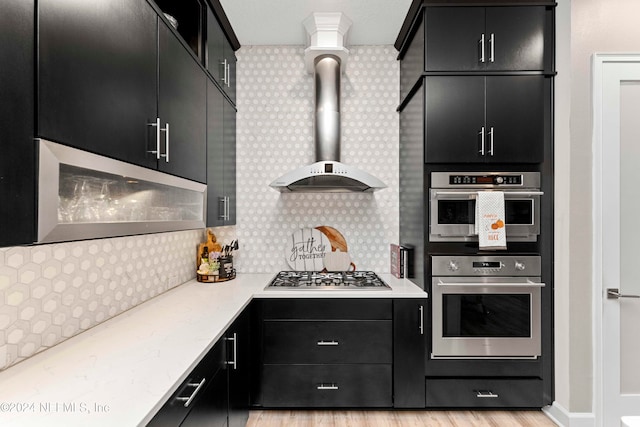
column 314, row 280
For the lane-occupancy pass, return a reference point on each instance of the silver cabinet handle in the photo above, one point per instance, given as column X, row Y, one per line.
column 223, row 208
column 157, row 126
column 490, row 152
column 330, row 386
column 614, row 293
column 228, row 79
column 482, row 140
column 482, row 48
column 485, row 393
column 227, row 204
column 224, row 72
column 327, row 343
column 491, row 44
column 166, row 143
column 421, row 309
column 233, row 362
column 187, row 400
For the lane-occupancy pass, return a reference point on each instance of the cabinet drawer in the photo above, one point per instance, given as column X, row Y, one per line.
column 196, row 384
column 484, row 393
column 360, row 341
column 328, row 309
column 327, row 386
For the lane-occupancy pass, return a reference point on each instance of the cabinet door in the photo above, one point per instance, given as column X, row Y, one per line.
column 211, row 408
column 97, row 76
column 515, row 119
column 229, row 132
column 239, row 378
column 409, row 347
column 215, row 48
column 454, row 119
column 18, row 158
column 453, row 38
column 230, row 57
column 516, row 37
column 215, row 156
column 182, row 104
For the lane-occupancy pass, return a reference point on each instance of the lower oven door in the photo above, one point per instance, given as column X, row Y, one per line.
column 452, row 215
column 486, row 317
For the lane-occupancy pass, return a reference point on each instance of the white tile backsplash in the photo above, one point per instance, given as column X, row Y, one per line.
column 52, row 292
column 275, row 135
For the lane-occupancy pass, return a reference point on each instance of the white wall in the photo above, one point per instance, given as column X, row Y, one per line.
column 596, row 26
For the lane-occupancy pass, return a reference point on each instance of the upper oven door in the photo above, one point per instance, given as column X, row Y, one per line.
column 452, row 215
column 486, row 317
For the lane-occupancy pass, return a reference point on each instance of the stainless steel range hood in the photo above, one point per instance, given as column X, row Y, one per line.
column 325, row 57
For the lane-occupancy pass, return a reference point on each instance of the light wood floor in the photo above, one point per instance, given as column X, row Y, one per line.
column 398, row 419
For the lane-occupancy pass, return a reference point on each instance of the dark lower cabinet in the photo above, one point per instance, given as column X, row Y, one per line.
column 409, row 332
column 216, row 392
column 484, row 393
column 199, row 394
column 239, row 351
column 328, row 385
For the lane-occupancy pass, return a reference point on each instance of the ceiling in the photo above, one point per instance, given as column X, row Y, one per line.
column 279, row 22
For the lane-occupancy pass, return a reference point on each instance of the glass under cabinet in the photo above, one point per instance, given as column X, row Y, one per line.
column 82, row 195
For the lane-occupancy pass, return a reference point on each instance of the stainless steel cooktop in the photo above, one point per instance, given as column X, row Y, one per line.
column 313, row 280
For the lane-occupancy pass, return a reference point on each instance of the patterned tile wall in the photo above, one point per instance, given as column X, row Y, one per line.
column 275, row 135
column 52, row 292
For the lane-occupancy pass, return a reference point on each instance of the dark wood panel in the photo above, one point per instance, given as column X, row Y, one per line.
column 408, row 353
column 97, row 76
column 215, row 155
column 484, row 393
column 353, row 386
column 17, row 105
column 328, row 341
column 182, row 102
column 328, row 309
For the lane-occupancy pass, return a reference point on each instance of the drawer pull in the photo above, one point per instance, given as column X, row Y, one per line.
column 328, row 342
column 330, row 386
column 485, row 393
column 187, row 400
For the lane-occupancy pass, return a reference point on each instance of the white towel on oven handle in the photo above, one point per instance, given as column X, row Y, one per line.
column 490, row 220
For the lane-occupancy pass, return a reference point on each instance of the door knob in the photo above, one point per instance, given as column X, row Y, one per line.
column 614, row 293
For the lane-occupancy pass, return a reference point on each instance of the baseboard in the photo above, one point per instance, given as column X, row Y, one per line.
column 564, row 418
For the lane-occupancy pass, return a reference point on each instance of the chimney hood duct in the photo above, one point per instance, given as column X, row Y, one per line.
column 325, row 58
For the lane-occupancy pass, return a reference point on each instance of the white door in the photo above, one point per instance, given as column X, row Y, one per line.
column 616, row 97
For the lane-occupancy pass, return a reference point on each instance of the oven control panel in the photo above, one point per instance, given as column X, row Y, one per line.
column 470, row 180
column 485, row 179
column 500, row 265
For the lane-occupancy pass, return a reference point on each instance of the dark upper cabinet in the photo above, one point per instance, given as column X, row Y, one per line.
column 110, row 75
column 477, row 119
column 97, row 76
column 491, row 38
column 17, row 162
column 220, row 57
column 221, row 159
column 182, row 104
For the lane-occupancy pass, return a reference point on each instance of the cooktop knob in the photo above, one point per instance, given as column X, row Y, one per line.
column 499, row 180
column 520, row 265
column 453, row 265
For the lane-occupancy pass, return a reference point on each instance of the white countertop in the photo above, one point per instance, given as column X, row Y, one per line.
column 121, row 372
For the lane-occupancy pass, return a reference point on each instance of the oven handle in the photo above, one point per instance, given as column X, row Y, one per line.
column 527, row 284
column 473, row 194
